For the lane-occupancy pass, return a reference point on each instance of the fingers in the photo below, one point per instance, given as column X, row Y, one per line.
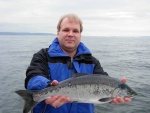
column 119, row 100
column 54, row 83
column 57, row 101
column 114, row 101
column 51, row 100
column 127, row 99
column 60, row 101
column 123, row 80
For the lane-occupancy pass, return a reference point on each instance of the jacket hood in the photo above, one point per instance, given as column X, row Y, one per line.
column 55, row 50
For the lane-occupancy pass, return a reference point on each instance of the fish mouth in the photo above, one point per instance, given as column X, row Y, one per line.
column 133, row 94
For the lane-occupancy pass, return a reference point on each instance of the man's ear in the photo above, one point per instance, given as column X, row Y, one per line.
column 57, row 33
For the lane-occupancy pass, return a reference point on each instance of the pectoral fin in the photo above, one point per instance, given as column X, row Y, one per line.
column 105, row 100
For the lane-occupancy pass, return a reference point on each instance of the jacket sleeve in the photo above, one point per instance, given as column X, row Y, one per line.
column 98, row 68
column 37, row 74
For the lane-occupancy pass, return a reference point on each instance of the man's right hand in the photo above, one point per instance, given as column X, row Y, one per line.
column 57, row 101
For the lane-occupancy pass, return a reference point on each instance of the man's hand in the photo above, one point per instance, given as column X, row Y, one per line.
column 57, row 101
column 120, row 100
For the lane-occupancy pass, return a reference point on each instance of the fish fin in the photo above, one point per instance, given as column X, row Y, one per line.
column 28, row 98
column 79, row 74
column 105, row 100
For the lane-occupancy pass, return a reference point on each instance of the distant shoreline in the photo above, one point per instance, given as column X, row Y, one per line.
column 52, row 34
column 24, row 33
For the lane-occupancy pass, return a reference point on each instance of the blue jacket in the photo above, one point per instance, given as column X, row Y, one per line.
column 53, row 64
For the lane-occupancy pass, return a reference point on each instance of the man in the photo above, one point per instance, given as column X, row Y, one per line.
column 65, row 56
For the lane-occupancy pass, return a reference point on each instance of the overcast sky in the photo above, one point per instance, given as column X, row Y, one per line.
column 100, row 17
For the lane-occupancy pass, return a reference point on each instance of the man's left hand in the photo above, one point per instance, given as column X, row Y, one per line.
column 120, row 100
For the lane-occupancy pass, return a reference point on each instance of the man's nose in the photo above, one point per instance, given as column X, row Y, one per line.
column 70, row 33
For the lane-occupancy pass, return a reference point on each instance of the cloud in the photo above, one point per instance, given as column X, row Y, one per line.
column 100, row 17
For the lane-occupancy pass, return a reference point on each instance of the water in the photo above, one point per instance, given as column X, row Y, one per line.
column 119, row 56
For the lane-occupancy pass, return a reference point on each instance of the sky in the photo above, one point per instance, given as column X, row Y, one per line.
column 100, row 17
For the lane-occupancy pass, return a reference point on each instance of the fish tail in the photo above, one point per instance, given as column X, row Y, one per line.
column 28, row 98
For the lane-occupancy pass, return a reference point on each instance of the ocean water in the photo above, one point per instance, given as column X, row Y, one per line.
column 119, row 56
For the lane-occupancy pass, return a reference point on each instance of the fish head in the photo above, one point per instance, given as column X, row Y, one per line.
column 123, row 90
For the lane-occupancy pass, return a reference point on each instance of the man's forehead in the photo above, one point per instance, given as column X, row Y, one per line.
column 70, row 20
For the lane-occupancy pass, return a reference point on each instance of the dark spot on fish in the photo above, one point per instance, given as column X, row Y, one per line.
column 70, row 85
column 96, row 92
column 46, row 92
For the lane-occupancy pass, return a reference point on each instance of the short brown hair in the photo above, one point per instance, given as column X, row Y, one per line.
column 70, row 17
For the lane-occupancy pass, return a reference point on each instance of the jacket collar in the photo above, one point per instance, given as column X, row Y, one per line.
column 55, row 50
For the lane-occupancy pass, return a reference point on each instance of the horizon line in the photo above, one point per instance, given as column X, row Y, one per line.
column 42, row 33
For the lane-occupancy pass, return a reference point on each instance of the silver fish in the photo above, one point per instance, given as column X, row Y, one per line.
column 91, row 88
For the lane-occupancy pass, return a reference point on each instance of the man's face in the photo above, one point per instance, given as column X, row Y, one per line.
column 69, row 35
